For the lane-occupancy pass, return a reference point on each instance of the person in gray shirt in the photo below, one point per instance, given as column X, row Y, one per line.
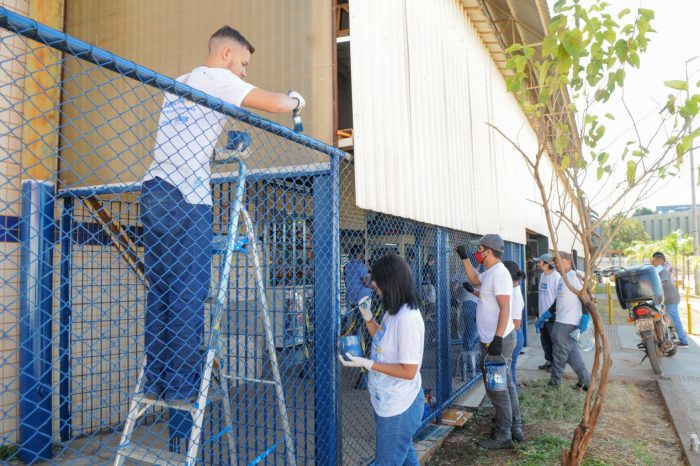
column 671, row 296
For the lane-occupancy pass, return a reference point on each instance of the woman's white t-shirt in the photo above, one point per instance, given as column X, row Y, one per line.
column 399, row 340
column 517, row 303
column 496, row 281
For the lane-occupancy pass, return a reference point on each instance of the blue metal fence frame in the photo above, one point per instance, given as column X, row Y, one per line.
column 326, row 266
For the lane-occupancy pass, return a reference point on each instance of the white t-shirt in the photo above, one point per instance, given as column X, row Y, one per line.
column 399, row 340
column 188, row 132
column 495, row 281
column 547, row 291
column 517, row 303
column 568, row 304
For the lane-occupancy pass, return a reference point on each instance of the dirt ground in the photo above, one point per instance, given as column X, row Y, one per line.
column 634, row 429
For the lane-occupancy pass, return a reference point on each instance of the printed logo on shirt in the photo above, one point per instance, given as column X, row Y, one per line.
column 543, row 286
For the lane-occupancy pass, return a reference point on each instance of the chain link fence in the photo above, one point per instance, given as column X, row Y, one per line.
column 78, row 126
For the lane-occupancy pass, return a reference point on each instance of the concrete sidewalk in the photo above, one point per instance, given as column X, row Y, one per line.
column 680, row 386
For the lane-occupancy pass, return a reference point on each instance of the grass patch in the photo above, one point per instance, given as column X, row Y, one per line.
column 7, row 452
column 545, row 449
column 544, row 403
column 632, row 414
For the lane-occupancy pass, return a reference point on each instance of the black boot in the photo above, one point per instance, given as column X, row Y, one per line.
column 494, row 444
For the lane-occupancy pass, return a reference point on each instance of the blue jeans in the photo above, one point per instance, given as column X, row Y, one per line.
column 516, row 353
column 470, row 333
column 394, row 436
column 672, row 311
column 177, row 257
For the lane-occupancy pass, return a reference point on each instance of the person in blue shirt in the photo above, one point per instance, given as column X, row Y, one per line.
column 358, row 283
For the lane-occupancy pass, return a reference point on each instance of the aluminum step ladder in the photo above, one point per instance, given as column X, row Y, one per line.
column 214, row 378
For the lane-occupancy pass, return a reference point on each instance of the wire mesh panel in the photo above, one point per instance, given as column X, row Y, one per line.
column 285, row 244
column 79, row 132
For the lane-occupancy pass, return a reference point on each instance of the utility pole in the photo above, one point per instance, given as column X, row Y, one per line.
column 693, row 213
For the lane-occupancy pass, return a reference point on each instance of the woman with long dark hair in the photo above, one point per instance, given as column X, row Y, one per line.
column 395, row 384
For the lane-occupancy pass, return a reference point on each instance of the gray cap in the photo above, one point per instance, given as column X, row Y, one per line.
column 546, row 258
column 492, row 241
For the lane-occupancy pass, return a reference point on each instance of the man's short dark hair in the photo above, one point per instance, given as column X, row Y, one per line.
column 227, row 32
column 496, row 254
column 659, row 255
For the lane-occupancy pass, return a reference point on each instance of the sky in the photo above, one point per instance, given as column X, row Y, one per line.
column 677, row 39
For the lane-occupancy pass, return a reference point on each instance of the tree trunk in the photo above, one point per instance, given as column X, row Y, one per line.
column 596, row 391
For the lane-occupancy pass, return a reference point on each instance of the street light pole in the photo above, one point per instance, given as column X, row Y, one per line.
column 693, row 215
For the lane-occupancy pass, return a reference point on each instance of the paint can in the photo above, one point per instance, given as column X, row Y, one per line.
column 351, row 344
column 496, row 374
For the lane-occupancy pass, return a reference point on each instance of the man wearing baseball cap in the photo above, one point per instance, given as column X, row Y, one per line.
column 495, row 328
column 546, row 295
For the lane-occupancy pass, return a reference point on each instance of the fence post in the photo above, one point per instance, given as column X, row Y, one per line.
column 36, row 290
column 608, row 291
column 443, row 378
column 64, row 397
column 326, row 235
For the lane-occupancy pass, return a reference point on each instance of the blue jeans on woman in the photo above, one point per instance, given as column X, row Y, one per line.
column 394, row 436
column 516, row 352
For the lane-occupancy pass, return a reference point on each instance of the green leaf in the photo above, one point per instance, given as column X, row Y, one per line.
column 677, row 84
column 609, row 116
column 684, row 146
column 602, row 158
column 646, row 13
column 573, row 43
column 601, row 171
column 554, row 23
column 621, row 49
column 563, row 61
column 623, row 12
column 610, row 36
column 691, row 107
column 631, row 172
column 514, row 48
column 633, row 59
column 564, row 162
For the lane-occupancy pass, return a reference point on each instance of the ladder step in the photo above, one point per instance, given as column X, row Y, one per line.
column 248, row 379
column 181, row 405
column 219, row 242
column 152, row 456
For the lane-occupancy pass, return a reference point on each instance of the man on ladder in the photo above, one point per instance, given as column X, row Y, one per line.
column 176, row 214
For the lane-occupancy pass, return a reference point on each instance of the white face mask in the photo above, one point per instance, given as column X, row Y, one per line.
column 659, row 268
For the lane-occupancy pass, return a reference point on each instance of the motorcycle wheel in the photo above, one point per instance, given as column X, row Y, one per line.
column 652, row 353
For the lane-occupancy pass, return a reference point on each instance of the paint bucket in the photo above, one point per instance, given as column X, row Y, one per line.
column 496, row 374
column 351, row 344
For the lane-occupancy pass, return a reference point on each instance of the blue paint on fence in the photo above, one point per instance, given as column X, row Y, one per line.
column 36, row 292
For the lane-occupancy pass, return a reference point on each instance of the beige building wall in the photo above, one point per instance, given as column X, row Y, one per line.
column 11, row 111
column 293, row 42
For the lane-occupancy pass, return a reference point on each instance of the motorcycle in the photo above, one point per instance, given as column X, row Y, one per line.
column 639, row 291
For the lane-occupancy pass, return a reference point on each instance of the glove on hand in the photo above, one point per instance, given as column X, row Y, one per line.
column 356, row 361
column 461, row 251
column 468, row 286
column 301, row 102
column 583, row 324
column 539, row 325
column 495, row 347
column 365, row 306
